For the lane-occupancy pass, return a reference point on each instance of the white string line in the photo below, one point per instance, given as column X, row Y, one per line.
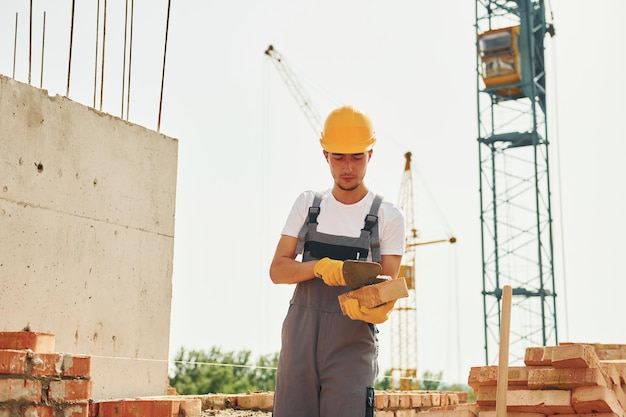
column 229, row 365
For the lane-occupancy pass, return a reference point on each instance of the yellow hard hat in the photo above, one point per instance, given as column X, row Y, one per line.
column 347, row 130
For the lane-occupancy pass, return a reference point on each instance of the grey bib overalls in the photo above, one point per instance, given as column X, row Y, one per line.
column 328, row 362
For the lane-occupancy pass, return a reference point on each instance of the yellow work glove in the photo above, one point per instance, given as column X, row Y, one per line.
column 374, row 315
column 331, row 271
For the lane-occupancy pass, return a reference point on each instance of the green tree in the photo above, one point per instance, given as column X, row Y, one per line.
column 199, row 372
column 430, row 381
column 383, row 383
column 263, row 376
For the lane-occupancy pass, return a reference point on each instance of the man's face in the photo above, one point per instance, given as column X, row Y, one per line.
column 348, row 170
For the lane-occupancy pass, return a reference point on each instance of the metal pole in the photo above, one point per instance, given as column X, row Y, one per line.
column 167, row 25
column 69, row 64
column 124, row 59
column 15, row 45
column 130, row 55
column 95, row 68
column 43, row 47
column 30, row 42
column 104, row 36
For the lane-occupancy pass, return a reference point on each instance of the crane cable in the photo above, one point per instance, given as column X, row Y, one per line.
column 558, row 159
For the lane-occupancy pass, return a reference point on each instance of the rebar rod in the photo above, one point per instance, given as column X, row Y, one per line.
column 130, row 55
column 167, row 26
column 43, row 47
column 95, row 68
column 124, row 59
column 69, row 63
column 15, row 45
column 30, row 42
column 104, row 37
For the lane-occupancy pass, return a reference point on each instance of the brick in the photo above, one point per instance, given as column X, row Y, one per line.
column 620, row 367
column 610, row 351
column 620, row 394
column 256, row 401
column 38, row 411
column 426, row 400
column 18, row 389
column 77, row 365
column 538, row 356
column 405, row 413
column 192, row 407
column 394, row 400
column 139, row 408
column 574, row 356
column 488, row 375
column 77, row 410
column 473, row 408
column 404, row 400
column 247, row 401
column 451, row 412
column 69, row 390
column 453, row 398
column 595, row 400
column 416, row 399
column 564, row 378
column 589, row 415
column 381, row 400
column 13, row 362
column 377, row 294
column 611, row 371
column 492, row 413
column 266, row 401
column 530, row 401
column 94, row 409
column 61, row 364
column 35, row 341
column 216, row 402
column 463, row 396
column 46, row 364
column 384, row 413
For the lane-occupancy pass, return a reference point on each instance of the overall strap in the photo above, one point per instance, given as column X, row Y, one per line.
column 371, row 226
column 311, row 223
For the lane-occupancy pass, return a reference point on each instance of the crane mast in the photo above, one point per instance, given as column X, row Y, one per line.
column 403, row 321
column 516, row 219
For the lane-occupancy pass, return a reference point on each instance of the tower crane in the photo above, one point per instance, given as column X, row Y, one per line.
column 516, row 214
column 404, row 320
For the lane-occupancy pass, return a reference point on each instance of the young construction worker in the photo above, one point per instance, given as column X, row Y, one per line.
column 328, row 361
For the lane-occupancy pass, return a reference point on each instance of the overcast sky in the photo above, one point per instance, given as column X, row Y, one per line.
column 246, row 149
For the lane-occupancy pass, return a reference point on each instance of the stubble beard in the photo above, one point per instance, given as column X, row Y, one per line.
column 352, row 188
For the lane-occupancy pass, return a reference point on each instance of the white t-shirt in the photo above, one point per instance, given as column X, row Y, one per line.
column 340, row 219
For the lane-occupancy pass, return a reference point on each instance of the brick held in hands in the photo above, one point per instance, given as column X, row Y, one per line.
column 376, row 294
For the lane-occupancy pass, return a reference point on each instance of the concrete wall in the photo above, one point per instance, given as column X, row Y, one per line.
column 87, row 205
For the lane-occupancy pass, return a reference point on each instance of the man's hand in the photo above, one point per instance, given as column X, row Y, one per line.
column 375, row 315
column 331, row 271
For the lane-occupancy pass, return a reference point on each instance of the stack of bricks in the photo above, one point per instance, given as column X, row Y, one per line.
column 410, row 403
column 581, row 380
column 387, row 403
column 571, row 380
column 36, row 382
